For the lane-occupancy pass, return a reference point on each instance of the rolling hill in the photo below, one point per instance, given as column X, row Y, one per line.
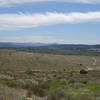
column 18, row 60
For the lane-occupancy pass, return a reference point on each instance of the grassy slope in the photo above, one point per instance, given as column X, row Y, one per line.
column 73, row 83
column 16, row 60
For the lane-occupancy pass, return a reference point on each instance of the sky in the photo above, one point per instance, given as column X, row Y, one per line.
column 50, row 21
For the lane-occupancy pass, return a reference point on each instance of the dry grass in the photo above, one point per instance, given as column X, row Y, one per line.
column 21, row 61
column 16, row 71
column 11, row 93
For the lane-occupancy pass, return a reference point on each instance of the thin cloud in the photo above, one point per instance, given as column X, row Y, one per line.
column 20, row 21
column 44, row 39
column 31, row 39
column 4, row 3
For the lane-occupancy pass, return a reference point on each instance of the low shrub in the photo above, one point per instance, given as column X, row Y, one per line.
column 83, row 71
column 59, row 94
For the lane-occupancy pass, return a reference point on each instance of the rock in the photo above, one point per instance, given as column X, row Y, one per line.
column 29, row 99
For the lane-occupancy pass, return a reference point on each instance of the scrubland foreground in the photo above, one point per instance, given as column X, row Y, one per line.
column 48, row 77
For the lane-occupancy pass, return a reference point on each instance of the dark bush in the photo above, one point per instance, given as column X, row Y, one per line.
column 38, row 91
column 29, row 72
column 83, row 71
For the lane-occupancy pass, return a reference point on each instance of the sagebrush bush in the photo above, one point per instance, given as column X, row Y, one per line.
column 59, row 94
column 83, row 71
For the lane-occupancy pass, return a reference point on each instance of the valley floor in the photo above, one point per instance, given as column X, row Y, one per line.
column 48, row 77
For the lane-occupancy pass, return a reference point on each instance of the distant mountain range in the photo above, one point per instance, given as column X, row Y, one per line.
column 18, row 45
column 50, row 46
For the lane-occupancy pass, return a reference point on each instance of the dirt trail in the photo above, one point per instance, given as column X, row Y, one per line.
column 94, row 61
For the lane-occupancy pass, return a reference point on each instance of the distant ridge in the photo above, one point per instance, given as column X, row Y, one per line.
column 50, row 46
column 18, row 45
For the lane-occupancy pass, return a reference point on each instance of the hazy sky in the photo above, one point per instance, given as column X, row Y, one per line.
column 50, row 21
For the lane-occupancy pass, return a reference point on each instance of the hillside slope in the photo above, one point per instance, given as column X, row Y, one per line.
column 16, row 60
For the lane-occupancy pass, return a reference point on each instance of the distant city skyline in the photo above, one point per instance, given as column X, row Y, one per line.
column 50, row 21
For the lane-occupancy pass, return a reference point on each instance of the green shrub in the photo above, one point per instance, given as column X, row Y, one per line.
column 29, row 72
column 83, row 71
column 38, row 91
column 59, row 94
column 86, row 97
column 29, row 93
column 28, row 86
column 72, row 81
